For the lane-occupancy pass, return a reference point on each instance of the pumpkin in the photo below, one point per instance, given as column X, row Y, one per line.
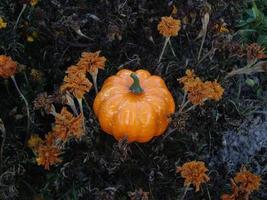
column 134, row 105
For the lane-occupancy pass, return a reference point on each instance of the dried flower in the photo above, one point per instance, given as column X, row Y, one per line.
column 255, row 51
column 34, row 142
column 33, row 2
column 48, row 155
column 234, row 194
column 76, row 127
column 7, row 66
column 36, row 75
column 222, row 28
column 73, row 69
column 247, row 181
column 50, row 138
column 3, row 24
column 168, row 26
column 43, row 101
column 194, row 173
column 199, row 91
column 77, row 84
column 92, row 61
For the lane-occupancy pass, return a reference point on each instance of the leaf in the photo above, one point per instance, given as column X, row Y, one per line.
column 250, row 82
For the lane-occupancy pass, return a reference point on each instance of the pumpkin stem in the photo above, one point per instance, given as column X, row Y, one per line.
column 136, row 87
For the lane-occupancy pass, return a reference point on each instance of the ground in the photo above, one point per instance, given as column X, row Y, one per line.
column 47, row 41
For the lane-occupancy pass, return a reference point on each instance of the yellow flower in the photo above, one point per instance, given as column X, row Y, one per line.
column 30, row 38
column 77, row 84
column 168, row 26
column 33, row 2
column 8, row 67
column 194, row 173
column 247, row 181
column 91, row 62
column 3, row 24
column 34, row 142
column 48, row 155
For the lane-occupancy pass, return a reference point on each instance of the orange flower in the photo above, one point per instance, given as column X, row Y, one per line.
column 34, row 142
column 188, row 80
column 76, row 69
column 198, row 93
column 169, row 27
column 50, row 138
column 48, row 155
column 194, row 173
column 215, row 90
column 255, row 51
column 76, row 126
column 7, row 66
column 247, row 181
column 92, row 61
column 232, row 196
column 77, row 84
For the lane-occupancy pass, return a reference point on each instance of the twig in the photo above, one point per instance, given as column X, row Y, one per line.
column 3, row 130
column 20, row 14
column 164, row 48
column 186, row 189
column 27, row 109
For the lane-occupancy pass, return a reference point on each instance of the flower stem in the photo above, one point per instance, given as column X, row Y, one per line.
column 81, row 110
column 164, row 48
column 94, row 77
column 3, row 130
column 185, row 191
column 20, row 14
column 136, row 87
column 27, row 109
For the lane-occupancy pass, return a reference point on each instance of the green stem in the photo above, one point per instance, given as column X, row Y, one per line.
column 164, row 48
column 20, row 14
column 136, row 87
column 27, row 109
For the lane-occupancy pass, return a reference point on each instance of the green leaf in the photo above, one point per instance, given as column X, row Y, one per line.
column 250, row 82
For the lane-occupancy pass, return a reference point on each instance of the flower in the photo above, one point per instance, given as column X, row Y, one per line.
column 43, row 101
column 194, row 173
column 247, row 181
column 77, row 84
column 48, row 155
column 7, row 66
column 232, row 196
column 199, row 91
column 168, row 26
column 50, row 138
column 255, row 51
column 76, row 69
column 215, row 90
column 34, row 142
column 33, row 2
column 36, row 75
column 3, row 24
column 92, row 61
column 76, row 126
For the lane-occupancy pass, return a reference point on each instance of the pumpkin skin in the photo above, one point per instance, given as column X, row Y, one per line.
column 137, row 117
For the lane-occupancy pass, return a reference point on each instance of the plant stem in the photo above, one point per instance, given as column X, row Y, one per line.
column 27, row 109
column 136, row 87
column 3, row 130
column 81, row 110
column 185, row 191
column 94, row 77
column 164, row 48
column 20, row 14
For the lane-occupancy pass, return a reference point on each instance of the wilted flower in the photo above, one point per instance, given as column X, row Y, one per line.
column 50, row 138
column 194, row 173
column 92, row 61
column 255, row 51
column 77, row 84
column 76, row 127
column 36, row 75
column 3, row 24
column 34, row 142
column 168, row 26
column 7, row 66
column 43, row 101
column 199, row 93
column 76, row 69
column 215, row 90
column 48, row 155
column 247, row 181
column 234, row 194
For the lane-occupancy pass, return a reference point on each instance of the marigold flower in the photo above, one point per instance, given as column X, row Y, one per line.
column 50, row 138
column 7, row 66
column 92, row 61
column 77, row 84
column 168, row 26
column 247, row 181
column 48, row 155
column 36, row 75
column 34, row 142
column 198, row 93
column 255, row 51
column 43, row 101
column 194, row 173
column 234, row 194
column 76, row 127
column 76, row 69
column 215, row 90
column 3, row 24
column 33, row 2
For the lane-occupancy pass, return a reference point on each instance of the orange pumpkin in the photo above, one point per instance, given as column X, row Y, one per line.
column 134, row 105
